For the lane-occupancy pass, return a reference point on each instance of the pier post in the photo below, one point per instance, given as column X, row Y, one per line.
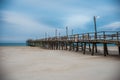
column 69, row 46
column 84, row 48
column 73, row 46
column 62, row 45
column 89, row 42
column 52, row 45
column 56, row 45
column 77, row 46
column 119, row 50
column 93, row 49
column 105, row 49
column 66, row 45
column 59, row 45
column 89, row 47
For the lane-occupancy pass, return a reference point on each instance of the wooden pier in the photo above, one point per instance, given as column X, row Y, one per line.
column 77, row 42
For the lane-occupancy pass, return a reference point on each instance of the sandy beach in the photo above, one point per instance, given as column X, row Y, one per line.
column 34, row 63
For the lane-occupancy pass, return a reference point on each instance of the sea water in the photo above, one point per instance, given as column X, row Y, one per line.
column 12, row 44
column 97, row 44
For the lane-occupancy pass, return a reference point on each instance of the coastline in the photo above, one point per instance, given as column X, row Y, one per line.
column 112, row 50
column 12, row 44
column 35, row 63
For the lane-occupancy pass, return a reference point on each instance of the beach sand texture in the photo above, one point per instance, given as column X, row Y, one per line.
column 34, row 63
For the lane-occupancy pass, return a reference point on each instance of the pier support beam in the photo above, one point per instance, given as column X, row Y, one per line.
column 119, row 50
column 82, row 46
column 93, row 45
column 62, row 45
column 59, row 45
column 77, row 46
column 69, row 46
column 73, row 46
column 66, row 46
column 52, row 45
column 105, row 49
column 84, row 49
column 89, row 47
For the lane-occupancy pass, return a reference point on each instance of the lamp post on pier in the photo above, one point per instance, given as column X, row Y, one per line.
column 67, row 31
column 72, row 31
column 45, row 35
column 95, row 28
column 95, row 37
column 56, row 33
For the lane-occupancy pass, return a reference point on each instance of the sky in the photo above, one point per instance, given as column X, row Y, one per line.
column 31, row 19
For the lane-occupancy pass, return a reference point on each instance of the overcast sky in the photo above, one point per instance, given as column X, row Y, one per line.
column 24, row 19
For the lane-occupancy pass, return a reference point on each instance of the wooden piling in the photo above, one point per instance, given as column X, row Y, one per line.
column 69, row 46
column 73, row 46
column 59, row 45
column 66, row 45
column 82, row 46
column 105, row 49
column 62, row 45
column 77, row 46
column 119, row 50
column 84, row 49
column 93, row 45
column 56, row 45
column 89, row 47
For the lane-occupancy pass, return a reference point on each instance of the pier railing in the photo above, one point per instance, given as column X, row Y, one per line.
column 100, row 36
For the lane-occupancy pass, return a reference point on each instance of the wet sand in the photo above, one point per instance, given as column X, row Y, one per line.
column 33, row 63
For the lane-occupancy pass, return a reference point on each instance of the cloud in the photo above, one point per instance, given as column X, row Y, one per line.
column 75, row 21
column 25, row 25
column 12, row 39
column 73, row 6
column 35, row 17
column 24, row 22
column 111, row 26
column 18, row 19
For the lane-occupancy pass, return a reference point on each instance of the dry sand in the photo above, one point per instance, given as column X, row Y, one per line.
column 33, row 63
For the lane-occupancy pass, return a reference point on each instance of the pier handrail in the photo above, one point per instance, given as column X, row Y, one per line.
column 101, row 35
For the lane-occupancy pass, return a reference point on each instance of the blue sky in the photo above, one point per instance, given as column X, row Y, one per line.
column 24, row 19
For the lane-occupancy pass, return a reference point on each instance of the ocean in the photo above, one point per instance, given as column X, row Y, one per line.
column 24, row 44
column 98, row 44
column 12, row 44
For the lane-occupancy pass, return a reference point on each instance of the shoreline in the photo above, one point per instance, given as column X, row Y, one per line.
column 112, row 50
column 34, row 63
